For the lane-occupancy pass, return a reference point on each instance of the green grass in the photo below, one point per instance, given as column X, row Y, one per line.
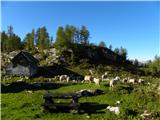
column 25, row 106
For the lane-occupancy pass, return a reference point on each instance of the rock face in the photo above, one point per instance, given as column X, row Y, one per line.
column 97, row 54
column 48, row 56
column 6, row 58
column 51, row 57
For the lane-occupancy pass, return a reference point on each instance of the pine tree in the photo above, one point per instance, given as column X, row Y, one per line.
column 102, row 44
column 42, row 38
column 60, row 39
column 84, row 35
column 29, row 39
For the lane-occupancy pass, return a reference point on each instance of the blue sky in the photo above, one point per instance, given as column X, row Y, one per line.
column 133, row 25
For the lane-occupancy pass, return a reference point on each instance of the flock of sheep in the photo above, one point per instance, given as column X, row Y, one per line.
column 104, row 77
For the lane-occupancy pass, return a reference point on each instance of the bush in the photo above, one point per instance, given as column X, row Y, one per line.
column 100, row 69
column 84, row 63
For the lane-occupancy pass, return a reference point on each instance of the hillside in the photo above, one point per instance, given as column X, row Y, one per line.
column 87, row 56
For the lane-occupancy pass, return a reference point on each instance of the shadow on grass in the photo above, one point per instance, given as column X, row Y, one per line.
column 15, row 87
column 52, row 71
column 85, row 108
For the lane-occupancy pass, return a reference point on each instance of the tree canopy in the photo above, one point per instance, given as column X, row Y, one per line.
column 10, row 41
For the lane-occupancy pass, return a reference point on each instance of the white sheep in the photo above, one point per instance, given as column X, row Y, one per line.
column 29, row 91
column 67, row 79
column 118, row 102
column 131, row 81
column 114, row 81
column 114, row 109
column 140, row 81
column 104, row 76
column 96, row 81
column 146, row 114
column 63, row 77
column 20, row 80
column 88, row 78
column 125, row 80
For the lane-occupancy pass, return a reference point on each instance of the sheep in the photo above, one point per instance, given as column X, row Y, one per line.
column 124, row 80
column 20, row 80
column 96, row 81
column 114, row 81
column 87, row 78
column 146, row 115
column 131, row 81
column 104, row 76
column 118, row 102
column 140, row 81
column 63, row 77
column 29, row 91
column 114, row 109
column 57, row 77
column 67, row 79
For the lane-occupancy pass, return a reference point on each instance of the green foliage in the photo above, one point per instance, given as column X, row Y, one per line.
column 136, row 63
column 4, row 41
column 10, row 41
column 29, row 40
column 122, row 52
column 100, row 68
column 70, row 35
column 84, row 63
column 116, row 50
column 110, row 47
column 102, row 44
column 42, row 38
column 43, row 54
column 154, row 66
column 60, row 39
column 84, row 35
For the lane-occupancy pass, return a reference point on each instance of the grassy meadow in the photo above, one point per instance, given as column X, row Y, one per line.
column 27, row 106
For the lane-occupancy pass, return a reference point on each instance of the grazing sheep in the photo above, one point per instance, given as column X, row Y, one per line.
column 132, row 81
column 146, row 116
column 140, row 81
column 56, row 77
column 118, row 102
column 96, row 81
column 20, row 80
column 148, row 83
column 114, row 109
column 114, row 81
column 29, row 91
column 125, row 80
column 63, row 77
column 88, row 78
column 104, row 76
column 117, row 78
column 91, row 72
column 67, row 79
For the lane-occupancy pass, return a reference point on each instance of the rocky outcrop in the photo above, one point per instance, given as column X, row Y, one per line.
column 49, row 56
column 6, row 57
column 52, row 56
